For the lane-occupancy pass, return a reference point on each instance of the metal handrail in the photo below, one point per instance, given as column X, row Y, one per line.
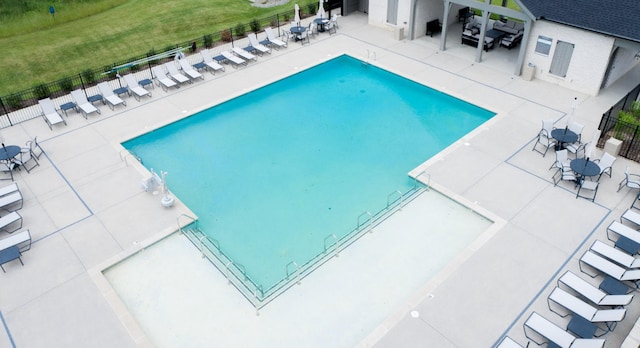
column 391, row 195
column 415, row 179
column 297, row 270
column 337, row 243
column 238, row 266
column 370, row 220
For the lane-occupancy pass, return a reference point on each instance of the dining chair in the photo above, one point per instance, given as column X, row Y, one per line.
column 544, row 138
column 590, row 186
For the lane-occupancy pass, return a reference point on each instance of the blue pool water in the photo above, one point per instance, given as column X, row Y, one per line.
column 272, row 173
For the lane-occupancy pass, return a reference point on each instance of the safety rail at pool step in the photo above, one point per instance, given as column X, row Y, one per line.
column 294, row 272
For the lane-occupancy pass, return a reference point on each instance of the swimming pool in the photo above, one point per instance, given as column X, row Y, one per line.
column 273, row 173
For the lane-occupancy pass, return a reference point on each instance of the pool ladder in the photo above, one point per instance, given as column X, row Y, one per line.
column 367, row 56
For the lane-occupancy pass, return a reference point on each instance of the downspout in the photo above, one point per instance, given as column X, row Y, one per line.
column 445, row 25
column 412, row 20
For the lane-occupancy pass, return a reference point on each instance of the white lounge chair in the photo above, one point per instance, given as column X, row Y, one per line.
column 50, row 114
column 11, row 222
column 631, row 216
column 211, row 64
column 109, row 96
column 272, row 40
column 10, row 202
column 244, row 54
column 591, row 292
column 593, row 314
column 82, row 102
column 615, row 271
column 628, row 239
column 134, row 87
column 189, row 70
column 553, row 333
column 162, row 79
column 174, row 73
column 253, row 41
column 11, row 188
column 235, row 60
column 615, row 255
column 507, row 342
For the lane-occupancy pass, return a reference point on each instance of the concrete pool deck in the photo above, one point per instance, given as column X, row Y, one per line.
column 85, row 208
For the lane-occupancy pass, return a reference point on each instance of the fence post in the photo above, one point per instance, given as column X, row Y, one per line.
column 6, row 112
column 82, row 84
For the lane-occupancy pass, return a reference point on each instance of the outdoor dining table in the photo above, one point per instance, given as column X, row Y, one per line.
column 320, row 22
column 563, row 136
column 9, row 152
column 297, row 30
column 584, row 167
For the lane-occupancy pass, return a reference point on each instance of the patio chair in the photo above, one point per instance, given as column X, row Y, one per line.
column 605, row 163
column 576, row 128
column 7, row 168
column 628, row 239
column 257, row 46
column 244, row 54
column 312, row 29
column 33, row 146
column 134, row 86
column 304, row 36
column 544, row 138
column 272, row 40
column 11, row 222
column 11, row 202
column 235, row 60
column 572, row 304
column 81, row 101
column 189, row 70
column 605, row 266
column 587, row 185
column 49, row 113
column 173, row 72
column 555, row 334
column 211, row 64
column 591, row 292
column 616, row 255
column 564, row 173
column 332, row 25
column 24, row 159
column 162, row 79
column 109, row 96
column 630, row 180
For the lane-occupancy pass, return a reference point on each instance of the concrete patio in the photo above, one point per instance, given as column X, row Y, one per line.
column 85, row 208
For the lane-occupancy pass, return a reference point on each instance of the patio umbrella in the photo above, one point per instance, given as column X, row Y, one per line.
column 321, row 13
column 296, row 17
column 572, row 110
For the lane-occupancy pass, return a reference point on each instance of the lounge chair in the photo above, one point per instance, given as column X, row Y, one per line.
column 616, row 255
column 592, row 293
column 175, row 74
column 21, row 239
column 628, row 239
column 272, row 40
column 50, row 114
column 162, row 79
column 135, row 88
column 508, row 342
column 593, row 314
column 235, row 60
column 109, row 96
column 11, row 188
column 211, row 64
column 253, row 41
column 10, row 202
column 11, row 222
column 81, row 101
column 244, row 54
column 553, row 333
column 615, row 271
column 189, row 70
column 631, row 216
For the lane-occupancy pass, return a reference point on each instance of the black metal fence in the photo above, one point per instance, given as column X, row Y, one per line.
column 21, row 106
column 611, row 125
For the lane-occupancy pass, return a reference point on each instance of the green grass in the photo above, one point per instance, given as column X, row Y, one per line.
column 87, row 34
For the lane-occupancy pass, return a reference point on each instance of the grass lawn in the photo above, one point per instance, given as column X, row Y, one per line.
column 38, row 47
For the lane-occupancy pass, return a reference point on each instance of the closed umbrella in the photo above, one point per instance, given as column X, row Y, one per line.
column 321, row 13
column 296, row 17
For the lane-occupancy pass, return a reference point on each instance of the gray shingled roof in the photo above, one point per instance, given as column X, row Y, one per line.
column 619, row 18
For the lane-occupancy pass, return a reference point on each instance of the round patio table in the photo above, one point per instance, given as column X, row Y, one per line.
column 563, row 136
column 9, row 152
column 320, row 22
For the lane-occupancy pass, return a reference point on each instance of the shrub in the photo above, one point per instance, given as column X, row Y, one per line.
column 208, row 40
column 239, row 30
column 311, row 7
column 152, row 52
column 225, row 35
column 14, row 101
column 41, row 91
column 254, row 25
column 88, row 76
column 66, row 84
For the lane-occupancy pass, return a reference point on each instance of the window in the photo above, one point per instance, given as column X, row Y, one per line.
column 392, row 12
column 561, row 59
column 543, row 46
